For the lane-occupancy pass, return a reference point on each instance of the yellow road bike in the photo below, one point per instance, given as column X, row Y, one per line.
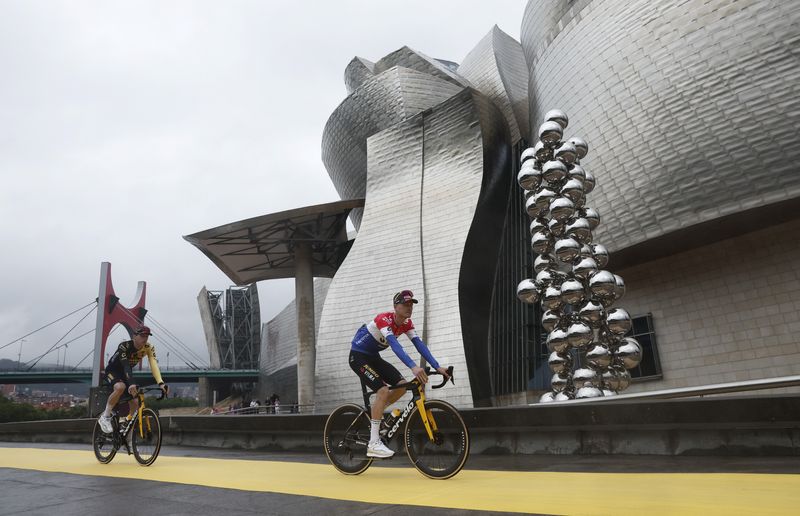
column 435, row 436
column 139, row 435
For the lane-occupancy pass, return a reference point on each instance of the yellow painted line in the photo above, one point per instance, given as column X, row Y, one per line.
column 543, row 492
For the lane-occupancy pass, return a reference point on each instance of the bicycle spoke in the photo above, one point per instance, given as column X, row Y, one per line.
column 346, row 438
column 444, row 455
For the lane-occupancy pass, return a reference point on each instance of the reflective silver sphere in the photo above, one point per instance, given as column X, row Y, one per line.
column 624, row 378
column 598, row 356
column 550, row 319
column 610, row 379
column 581, row 147
column 559, row 382
column 629, row 352
column 588, row 392
column 557, row 341
column 572, row 190
column 567, row 249
column 593, row 313
column 551, row 299
column 527, row 154
column 532, row 208
column 619, row 290
column 562, row 208
column 586, row 251
column 589, row 182
column 577, row 172
column 579, row 335
column 572, row 292
column 542, row 152
column 542, row 262
column 541, row 242
column 547, row 397
column 618, row 321
column 560, row 362
column 557, row 227
column 529, row 178
column 600, row 255
column 554, row 171
column 602, row 284
column 585, row 268
column 543, row 198
column 527, row 291
column 585, row 377
column 556, row 115
column 564, row 396
column 579, row 230
column 528, row 194
column 545, row 278
column 566, row 152
column 592, row 216
column 550, row 133
column 537, row 225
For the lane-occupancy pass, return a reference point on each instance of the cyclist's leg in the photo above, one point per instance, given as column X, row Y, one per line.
column 118, row 389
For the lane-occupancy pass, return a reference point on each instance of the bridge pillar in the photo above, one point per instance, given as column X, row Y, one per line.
column 110, row 313
column 306, row 338
column 205, row 392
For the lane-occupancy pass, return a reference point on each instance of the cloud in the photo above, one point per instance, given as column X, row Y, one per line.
column 126, row 126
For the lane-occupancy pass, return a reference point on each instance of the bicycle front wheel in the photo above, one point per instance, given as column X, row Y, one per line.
column 346, row 439
column 445, row 454
column 103, row 444
column 147, row 439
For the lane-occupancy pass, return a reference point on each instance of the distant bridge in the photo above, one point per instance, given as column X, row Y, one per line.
column 85, row 376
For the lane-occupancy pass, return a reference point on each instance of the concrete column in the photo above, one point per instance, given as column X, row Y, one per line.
column 306, row 339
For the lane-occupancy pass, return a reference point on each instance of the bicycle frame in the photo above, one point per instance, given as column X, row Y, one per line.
column 417, row 400
column 138, row 417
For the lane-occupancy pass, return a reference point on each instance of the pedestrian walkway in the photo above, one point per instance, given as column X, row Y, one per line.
column 543, row 492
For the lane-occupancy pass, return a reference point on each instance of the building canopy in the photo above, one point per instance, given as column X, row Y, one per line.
column 263, row 247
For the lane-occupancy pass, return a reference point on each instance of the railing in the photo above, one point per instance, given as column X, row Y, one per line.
column 291, row 408
column 687, row 392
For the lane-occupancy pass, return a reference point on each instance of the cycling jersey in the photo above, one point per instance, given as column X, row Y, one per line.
column 120, row 366
column 381, row 333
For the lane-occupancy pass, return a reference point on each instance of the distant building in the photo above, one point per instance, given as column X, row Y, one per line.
column 232, row 325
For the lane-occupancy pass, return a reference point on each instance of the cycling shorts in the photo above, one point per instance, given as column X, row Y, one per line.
column 114, row 375
column 374, row 371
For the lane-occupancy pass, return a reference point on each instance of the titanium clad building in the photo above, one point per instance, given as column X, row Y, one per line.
column 691, row 112
column 692, row 115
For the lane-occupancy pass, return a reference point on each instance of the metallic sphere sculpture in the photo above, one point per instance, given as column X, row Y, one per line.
column 589, row 352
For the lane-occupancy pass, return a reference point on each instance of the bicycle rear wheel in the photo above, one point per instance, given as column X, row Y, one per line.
column 446, row 454
column 103, row 444
column 346, row 439
column 147, row 441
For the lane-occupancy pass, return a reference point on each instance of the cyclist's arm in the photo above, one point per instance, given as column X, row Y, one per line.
column 397, row 348
column 422, row 348
column 151, row 359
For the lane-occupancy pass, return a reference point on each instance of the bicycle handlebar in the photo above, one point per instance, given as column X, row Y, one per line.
column 429, row 372
column 449, row 376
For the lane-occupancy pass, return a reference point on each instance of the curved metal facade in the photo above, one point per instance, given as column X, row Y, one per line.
column 691, row 108
column 496, row 67
column 379, row 102
column 433, row 183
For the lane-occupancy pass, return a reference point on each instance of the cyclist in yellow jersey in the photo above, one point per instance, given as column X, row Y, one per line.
column 119, row 372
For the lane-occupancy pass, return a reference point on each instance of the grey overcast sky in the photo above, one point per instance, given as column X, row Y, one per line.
column 126, row 125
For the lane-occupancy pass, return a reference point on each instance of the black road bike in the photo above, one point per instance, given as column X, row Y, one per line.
column 435, row 436
column 140, row 435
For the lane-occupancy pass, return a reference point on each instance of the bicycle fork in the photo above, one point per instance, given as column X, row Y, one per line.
column 427, row 416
